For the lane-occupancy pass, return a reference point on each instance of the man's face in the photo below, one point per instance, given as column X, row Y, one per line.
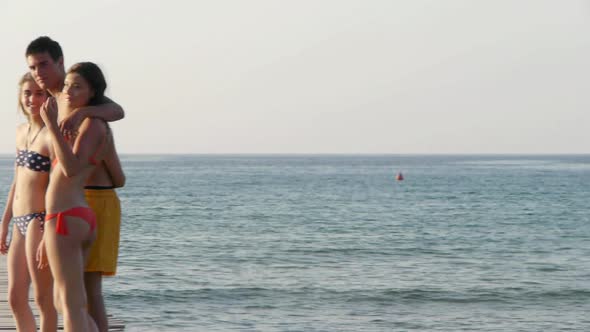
column 46, row 72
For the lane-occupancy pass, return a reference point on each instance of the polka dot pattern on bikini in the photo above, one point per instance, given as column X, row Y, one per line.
column 33, row 161
column 22, row 222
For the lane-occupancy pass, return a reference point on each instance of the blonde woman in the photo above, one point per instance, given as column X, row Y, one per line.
column 26, row 207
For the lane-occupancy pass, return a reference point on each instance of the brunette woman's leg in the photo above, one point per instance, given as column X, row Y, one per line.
column 66, row 260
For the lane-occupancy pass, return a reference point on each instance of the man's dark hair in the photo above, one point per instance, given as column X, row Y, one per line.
column 45, row 44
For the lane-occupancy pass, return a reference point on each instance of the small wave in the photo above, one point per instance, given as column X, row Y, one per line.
column 338, row 251
column 265, row 298
column 504, row 295
column 533, row 164
column 505, row 162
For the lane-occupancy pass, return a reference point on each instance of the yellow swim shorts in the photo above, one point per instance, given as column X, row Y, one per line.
column 105, row 250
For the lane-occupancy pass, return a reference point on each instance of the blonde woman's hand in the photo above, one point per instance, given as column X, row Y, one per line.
column 41, row 256
column 3, row 244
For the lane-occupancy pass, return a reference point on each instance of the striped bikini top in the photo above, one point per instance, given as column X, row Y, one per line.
column 33, row 160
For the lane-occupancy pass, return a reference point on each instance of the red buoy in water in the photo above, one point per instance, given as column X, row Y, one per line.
column 399, row 176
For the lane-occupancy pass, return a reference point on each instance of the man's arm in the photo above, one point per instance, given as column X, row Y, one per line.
column 108, row 111
column 74, row 159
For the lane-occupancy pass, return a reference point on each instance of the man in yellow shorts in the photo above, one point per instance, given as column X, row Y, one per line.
column 100, row 194
column 102, row 259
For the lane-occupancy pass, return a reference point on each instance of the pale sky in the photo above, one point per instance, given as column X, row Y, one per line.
column 315, row 76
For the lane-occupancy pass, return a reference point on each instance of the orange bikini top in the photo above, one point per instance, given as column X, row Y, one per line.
column 92, row 159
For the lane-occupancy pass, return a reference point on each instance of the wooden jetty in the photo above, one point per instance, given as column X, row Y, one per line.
column 6, row 320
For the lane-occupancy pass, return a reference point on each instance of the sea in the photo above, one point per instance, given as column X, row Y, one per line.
column 336, row 243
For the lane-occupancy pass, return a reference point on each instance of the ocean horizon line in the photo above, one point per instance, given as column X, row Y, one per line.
column 348, row 154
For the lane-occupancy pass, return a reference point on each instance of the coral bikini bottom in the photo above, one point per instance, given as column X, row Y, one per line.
column 83, row 212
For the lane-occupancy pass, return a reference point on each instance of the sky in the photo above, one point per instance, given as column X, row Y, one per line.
column 322, row 76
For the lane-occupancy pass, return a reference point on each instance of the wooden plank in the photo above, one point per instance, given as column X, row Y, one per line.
column 6, row 320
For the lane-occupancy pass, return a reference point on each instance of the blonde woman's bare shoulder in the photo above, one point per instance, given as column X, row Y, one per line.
column 22, row 128
column 21, row 132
